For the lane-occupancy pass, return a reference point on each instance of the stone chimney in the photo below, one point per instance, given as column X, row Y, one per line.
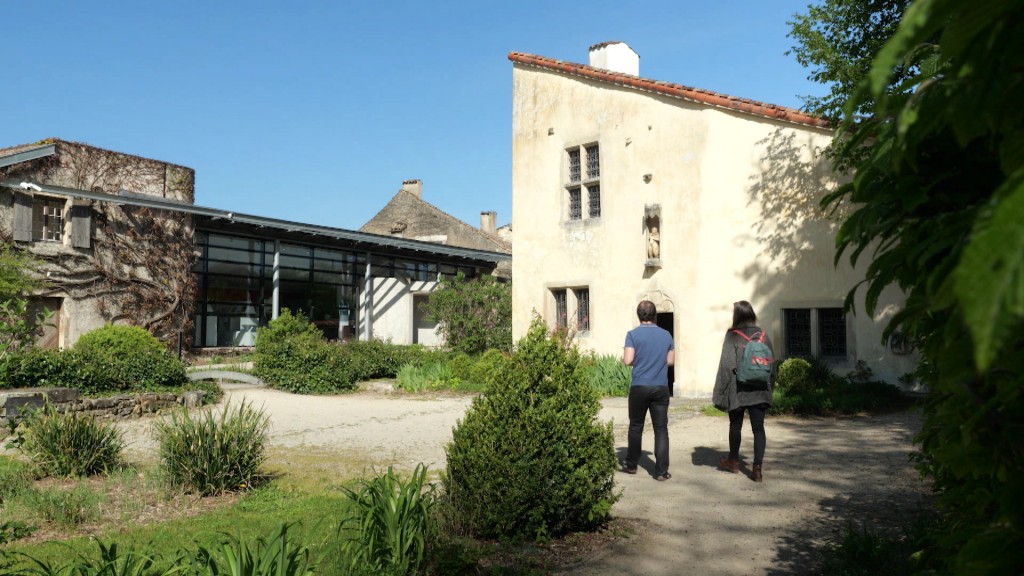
column 414, row 186
column 488, row 224
column 615, row 57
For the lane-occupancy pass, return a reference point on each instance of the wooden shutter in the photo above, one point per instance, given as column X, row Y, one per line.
column 81, row 226
column 22, row 217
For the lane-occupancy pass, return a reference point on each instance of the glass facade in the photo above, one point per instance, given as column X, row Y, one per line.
column 235, row 285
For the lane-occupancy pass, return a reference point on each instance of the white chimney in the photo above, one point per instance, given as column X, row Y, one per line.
column 615, row 57
column 488, row 222
column 413, row 187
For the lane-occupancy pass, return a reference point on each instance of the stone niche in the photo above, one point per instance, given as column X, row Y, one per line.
column 652, row 235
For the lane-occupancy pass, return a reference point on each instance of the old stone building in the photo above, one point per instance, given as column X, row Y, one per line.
column 626, row 188
column 408, row 215
column 105, row 262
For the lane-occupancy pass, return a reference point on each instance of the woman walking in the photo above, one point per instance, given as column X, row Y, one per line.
column 737, row 396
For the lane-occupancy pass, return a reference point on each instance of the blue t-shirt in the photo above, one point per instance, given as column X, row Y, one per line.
column 650, row 344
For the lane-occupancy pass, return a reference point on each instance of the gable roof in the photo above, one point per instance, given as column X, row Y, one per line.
column 697, row 95
column 419, row 218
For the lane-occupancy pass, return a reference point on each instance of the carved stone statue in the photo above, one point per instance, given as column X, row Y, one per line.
column 654, row 244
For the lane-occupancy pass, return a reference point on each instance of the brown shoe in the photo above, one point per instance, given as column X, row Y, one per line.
column 729, row 465
column 755, row 474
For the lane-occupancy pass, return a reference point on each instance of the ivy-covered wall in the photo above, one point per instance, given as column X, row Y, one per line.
column 114, row 263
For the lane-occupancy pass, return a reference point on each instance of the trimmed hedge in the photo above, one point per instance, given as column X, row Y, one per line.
column 292, row 355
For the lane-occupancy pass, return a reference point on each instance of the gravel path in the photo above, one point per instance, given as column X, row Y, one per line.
column 819, row 473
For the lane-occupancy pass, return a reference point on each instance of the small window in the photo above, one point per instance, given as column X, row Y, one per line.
column 594, row 200
column 575, row 204
column 561, row 309
column 48, row 219
column 583, row 165
column 574, row 165
column 593, row 162
column 582, row 309
column 818, row 332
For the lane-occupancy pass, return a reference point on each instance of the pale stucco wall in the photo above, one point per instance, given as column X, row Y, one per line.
column 394, row 317
column 735, row 192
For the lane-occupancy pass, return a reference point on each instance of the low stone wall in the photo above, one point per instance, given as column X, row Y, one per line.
column 13, row 402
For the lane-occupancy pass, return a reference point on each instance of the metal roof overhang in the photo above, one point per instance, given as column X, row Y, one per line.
column 26, row 155
column 214, row 218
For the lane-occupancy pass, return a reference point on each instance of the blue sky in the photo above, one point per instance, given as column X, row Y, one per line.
column 315, row 111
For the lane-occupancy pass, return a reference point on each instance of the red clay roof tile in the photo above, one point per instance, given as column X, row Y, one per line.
column 698, row 95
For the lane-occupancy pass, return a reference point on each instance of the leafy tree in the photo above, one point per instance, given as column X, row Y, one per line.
column 17, row 329
column 938, row 192
column 473, row 315
column 838, row 40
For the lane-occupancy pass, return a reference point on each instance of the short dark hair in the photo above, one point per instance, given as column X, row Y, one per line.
column 646, row 311
column 743, row 313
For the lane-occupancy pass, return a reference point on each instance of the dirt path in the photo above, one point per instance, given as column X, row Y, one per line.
column 819, row 473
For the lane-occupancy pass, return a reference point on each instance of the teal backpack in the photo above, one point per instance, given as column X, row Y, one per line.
column 755, row 369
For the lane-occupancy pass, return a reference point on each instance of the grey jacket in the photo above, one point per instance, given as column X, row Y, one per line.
column 725, row 396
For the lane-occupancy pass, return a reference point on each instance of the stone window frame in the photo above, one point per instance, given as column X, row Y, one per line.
column 816, row 333
column 566, row 310
column 582, row 181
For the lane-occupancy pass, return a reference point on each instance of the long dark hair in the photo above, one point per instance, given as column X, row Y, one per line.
column 742, row 313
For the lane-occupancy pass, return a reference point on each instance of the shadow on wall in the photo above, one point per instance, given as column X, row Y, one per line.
column 795, row 233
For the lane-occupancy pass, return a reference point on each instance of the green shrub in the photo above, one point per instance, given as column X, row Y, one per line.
column 122, row 358
column 529, row 459
column 69, row 444
column 36, row 368
column 794, row 375
column 390, row 522
column 292, row 355
column 213, row 453
column 487, row 366
column 609, row 376
column 461, row 365
column 473, row 315
column 372, row 359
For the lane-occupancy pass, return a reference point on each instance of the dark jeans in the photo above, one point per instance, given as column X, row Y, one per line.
column 655, row 400
column 756, row 425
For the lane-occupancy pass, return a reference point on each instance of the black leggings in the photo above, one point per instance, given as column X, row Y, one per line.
column 756, row 424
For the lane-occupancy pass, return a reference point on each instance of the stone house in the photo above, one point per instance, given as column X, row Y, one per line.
column 105, row 262
column 408, row 215
column 120, row 240
column 626, row 188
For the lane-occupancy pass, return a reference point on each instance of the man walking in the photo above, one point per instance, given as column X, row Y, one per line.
column 650, row 351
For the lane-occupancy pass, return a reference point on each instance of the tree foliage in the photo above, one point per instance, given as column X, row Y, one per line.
column 938, row 192
column 838, row 40
column 18, row 327
column 473, row 315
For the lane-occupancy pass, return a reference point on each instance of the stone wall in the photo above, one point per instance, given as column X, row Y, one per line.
column 13, row 402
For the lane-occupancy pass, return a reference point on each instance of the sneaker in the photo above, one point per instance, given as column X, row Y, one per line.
column 663, row 477
column 624, row 468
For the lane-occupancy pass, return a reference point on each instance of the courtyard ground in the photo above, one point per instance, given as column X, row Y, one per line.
column 819, row 474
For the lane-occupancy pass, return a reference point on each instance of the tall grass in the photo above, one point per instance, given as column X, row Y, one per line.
column 390, row 523
column 278, row 555
column 609, row 376
column 66, row 508
column 69, row 444
column 212, row 453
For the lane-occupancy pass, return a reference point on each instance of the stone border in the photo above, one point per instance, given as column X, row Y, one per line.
column 14, row 402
